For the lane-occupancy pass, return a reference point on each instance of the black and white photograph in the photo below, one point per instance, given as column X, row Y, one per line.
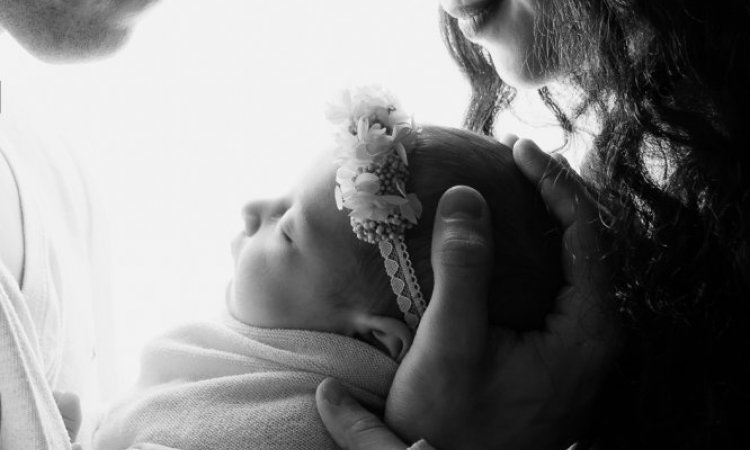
column 390, row 225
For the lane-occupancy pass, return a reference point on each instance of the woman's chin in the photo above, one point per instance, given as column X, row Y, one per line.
column 521, row 73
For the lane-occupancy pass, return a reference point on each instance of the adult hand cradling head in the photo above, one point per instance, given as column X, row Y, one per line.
column 463, row 376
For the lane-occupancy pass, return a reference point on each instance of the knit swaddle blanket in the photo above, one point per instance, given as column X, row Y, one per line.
column 231, row 386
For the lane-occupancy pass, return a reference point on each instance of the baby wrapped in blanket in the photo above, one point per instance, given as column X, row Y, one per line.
column 320, row 293
column 232, row 386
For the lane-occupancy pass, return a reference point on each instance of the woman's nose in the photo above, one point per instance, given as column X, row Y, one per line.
column 255, row 213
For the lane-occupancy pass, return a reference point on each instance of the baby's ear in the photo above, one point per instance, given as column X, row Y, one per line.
column 388, row 334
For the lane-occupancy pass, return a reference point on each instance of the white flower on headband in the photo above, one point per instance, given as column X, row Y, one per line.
column 371, row 102
column 372, row 135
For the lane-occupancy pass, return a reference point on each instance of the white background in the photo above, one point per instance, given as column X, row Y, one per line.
column 211, row 104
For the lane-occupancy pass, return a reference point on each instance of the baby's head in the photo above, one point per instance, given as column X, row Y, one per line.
column 527, row 271
column 299, row 263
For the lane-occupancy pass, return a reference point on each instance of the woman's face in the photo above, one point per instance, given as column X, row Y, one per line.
column 508, row 30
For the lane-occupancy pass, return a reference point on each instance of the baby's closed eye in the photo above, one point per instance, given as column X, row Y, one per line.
column 284, row 229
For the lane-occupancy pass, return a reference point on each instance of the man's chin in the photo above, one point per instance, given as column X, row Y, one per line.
column 74, row 48
column 70, row 30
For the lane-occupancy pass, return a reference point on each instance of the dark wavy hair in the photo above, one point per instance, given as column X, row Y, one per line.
column 668, row 83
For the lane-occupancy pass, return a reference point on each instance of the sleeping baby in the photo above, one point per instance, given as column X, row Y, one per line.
column 331, row 281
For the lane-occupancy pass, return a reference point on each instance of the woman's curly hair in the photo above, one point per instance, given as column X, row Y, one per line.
column 668, row 82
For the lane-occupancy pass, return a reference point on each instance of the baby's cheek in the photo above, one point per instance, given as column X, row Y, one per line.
column 253, row 302
column 256, row 295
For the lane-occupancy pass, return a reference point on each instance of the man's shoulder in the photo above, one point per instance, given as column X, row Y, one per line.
column 11, row 222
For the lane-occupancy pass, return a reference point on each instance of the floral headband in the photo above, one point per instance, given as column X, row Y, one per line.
column 372, row 136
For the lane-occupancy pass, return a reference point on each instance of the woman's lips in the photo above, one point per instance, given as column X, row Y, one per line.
column 467, row 9
column 473, row 16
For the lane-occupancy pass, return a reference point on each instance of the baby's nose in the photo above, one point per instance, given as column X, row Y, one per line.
column 252, row 217
column 255, row 213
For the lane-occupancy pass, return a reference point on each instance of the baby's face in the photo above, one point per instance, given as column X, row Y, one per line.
column 294, row 258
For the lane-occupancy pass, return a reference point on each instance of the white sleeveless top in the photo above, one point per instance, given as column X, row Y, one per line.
column 46, row 323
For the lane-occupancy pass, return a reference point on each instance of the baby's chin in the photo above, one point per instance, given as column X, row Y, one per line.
column 228, row 294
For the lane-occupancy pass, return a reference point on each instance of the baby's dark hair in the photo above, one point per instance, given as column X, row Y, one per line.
column 527, row 241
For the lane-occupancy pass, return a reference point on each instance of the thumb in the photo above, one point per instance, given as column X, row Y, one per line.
column 462, row 256
column 350, row 425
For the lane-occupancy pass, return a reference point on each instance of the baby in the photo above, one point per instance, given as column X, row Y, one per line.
column 332, row 280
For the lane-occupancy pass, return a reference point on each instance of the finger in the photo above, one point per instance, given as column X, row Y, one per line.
column 350, row 425
column 508, row 139
column 70, row 409
column 562, row 160
column 585, row 317
column 567, row 198
column 462, row 255
column 561, row 189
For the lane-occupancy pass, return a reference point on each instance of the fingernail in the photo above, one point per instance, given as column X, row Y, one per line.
column 461, row 203
column 335, row 393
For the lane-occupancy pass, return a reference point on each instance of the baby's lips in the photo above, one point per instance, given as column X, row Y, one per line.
column 236, row 244
column 251, row 220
